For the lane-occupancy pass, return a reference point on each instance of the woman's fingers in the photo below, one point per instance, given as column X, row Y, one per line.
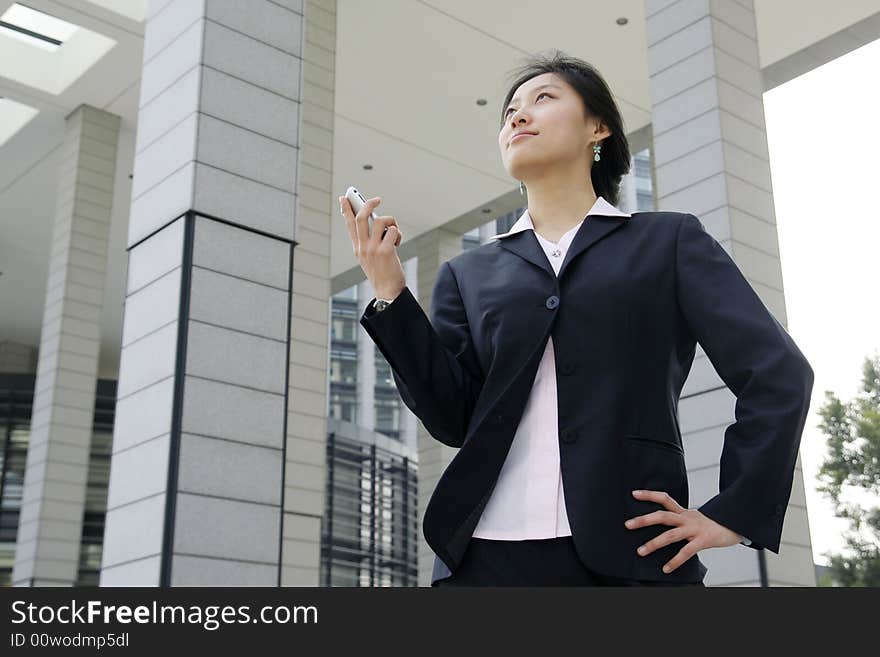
column 359, row 231
column 345, row 209
column 392, row 236
column 362, row 218
column 378, row 231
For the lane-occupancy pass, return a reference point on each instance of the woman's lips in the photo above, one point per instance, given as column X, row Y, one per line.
column 525, row 134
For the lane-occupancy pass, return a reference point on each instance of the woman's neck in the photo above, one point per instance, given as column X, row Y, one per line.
column 555, row 212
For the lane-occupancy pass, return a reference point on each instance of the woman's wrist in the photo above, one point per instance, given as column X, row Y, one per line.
column 390, row 295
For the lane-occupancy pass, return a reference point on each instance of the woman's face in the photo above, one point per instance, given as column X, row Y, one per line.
column 556, row 114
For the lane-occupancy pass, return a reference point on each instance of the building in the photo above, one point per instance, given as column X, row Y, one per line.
column 185, row 400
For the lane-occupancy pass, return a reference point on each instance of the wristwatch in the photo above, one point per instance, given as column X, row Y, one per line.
column 381, row 304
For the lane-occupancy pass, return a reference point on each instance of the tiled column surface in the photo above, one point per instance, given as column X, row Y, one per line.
column 50, row 525
column 434, row 248
column 409, row 423
column 16, row 358
column 196, row 483
column 305, row 466
column 711, row 158
column 366, row 371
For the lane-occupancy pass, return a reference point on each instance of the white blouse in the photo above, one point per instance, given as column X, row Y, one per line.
column 528, row 501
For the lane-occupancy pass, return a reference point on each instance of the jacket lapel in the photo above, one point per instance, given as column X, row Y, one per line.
column 591, row 231
column 526, row 246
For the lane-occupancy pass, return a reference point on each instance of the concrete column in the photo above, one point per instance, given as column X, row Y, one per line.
column 50, row 526
column 306, row 433
column 434, row 248
column 711, row 159
column 409, row 423
column 198, row 467
column 366, row 376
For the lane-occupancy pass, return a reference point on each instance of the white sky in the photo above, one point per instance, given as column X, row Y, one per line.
column 823, row 130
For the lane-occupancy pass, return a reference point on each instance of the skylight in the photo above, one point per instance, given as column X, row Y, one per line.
column 35, row 27
column 45, row 52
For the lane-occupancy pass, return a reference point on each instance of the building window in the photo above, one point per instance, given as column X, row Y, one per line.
column 388, row 414
column 16, row 401
column 343, row 403
column 369, row 535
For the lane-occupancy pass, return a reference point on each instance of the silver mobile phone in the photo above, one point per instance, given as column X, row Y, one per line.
column 358, row 201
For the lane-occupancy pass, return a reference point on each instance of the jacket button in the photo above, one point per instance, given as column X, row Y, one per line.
column 567, row 367
column 567, row 435
column 552, row 301
column 779, row 509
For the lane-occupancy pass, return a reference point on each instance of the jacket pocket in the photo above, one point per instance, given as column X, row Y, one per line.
column 651, row 464
column 654, row 442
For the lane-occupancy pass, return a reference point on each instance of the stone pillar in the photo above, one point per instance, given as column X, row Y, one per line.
column 434, row 248
column 711, row 159
column 211, row 378
column 50, row 526
column 366, row 371
column 409, row 423
column 306, row 433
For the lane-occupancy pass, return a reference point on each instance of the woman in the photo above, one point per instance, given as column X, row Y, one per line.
column 554, row 359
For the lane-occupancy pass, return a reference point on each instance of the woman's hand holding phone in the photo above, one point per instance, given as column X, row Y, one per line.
column 377, row 255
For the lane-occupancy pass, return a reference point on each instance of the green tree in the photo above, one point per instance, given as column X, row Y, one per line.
column 853, row 465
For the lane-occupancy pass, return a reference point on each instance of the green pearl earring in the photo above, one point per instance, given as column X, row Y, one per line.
column 596, row 149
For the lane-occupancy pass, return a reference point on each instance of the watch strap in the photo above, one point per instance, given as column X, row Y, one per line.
column 380, row 304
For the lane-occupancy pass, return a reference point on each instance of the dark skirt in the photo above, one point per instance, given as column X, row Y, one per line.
column 532, row 562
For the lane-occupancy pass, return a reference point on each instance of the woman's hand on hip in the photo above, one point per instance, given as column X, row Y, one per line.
column 691, row 525
column 376, row 255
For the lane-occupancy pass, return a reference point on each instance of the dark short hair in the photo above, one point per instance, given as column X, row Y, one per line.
column 599, row 103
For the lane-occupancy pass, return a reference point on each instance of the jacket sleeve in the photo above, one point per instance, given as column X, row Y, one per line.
column 760, row 363
column 434, row 363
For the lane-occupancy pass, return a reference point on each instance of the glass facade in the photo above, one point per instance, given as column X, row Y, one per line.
column 642, row 175
column 344, row 376
column 344, row 325
column 16, row 402
column 98, row 482
column 370, row 528
column 387, row 402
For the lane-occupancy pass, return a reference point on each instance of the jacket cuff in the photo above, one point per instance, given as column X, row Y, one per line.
column 405, row 298
column 766, row 534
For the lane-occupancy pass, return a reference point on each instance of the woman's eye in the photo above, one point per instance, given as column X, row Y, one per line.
column 543, row 93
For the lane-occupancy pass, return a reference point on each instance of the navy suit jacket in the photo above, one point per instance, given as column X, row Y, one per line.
column 632, row 299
